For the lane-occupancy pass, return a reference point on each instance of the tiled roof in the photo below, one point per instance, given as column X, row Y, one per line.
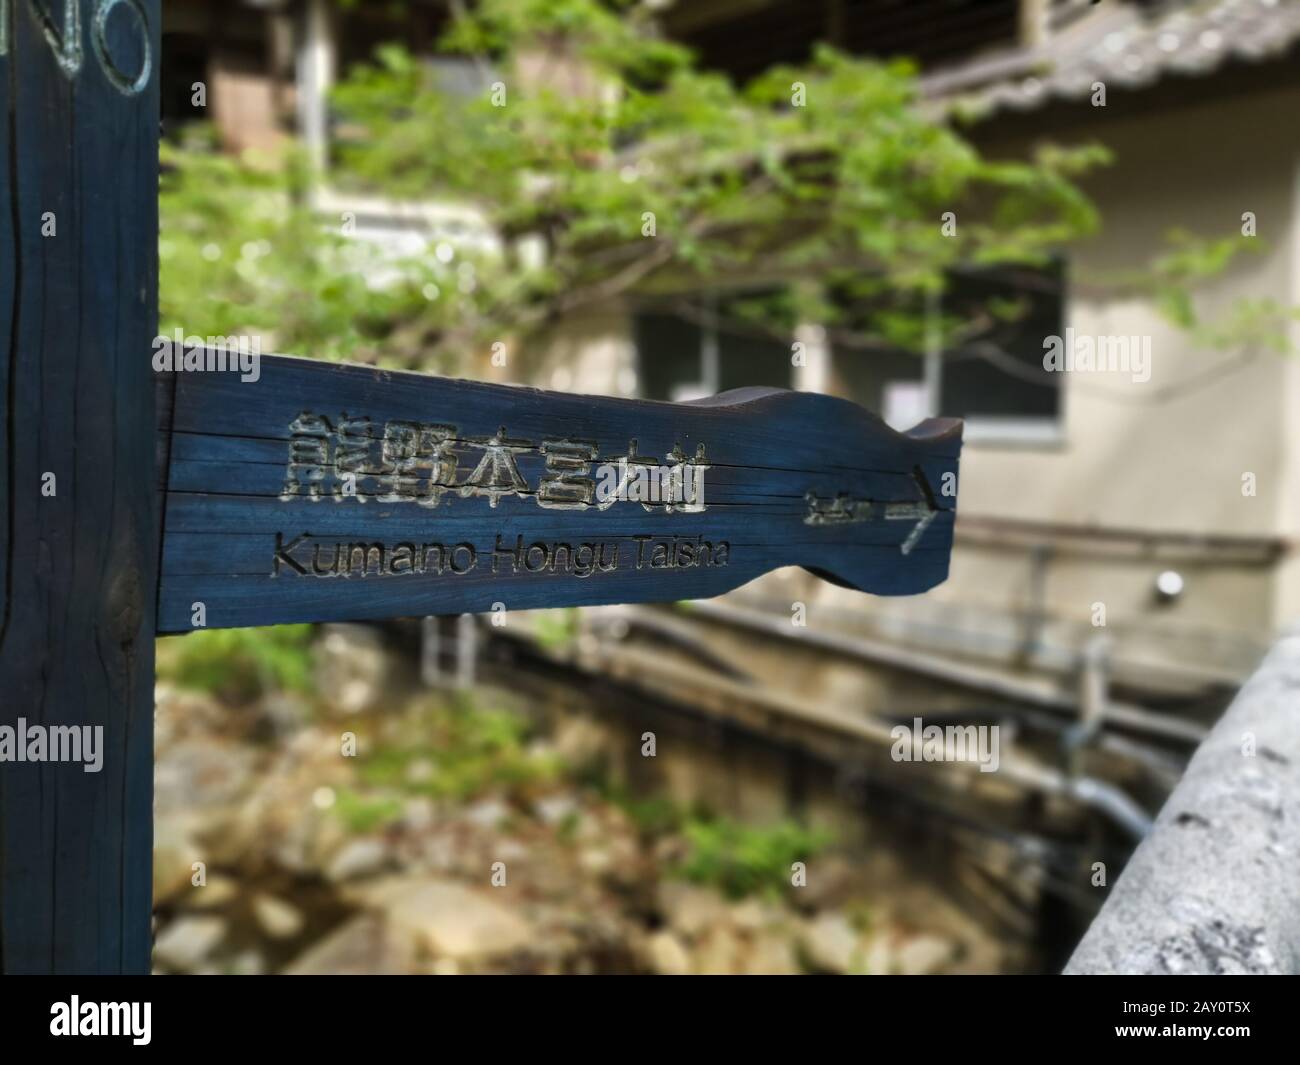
column 1124, row 45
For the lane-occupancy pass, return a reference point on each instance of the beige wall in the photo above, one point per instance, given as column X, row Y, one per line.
column 593, row 353
column 245, row 104
column 1131, row 458
column 1133, row 455
column 1137, row 456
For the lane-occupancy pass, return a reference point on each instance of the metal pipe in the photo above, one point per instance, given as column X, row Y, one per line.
column 1114, row 802
column 665, row 677
column 977, row 678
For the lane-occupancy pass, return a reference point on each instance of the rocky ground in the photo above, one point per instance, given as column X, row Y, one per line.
column 367, row 827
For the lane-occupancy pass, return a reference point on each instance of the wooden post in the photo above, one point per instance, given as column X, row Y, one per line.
column 297, row 491
column 79, row 535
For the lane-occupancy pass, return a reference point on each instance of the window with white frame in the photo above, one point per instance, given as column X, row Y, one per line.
column 992, row 372
column 983, row 363
column 698, row 348
column 986, row 366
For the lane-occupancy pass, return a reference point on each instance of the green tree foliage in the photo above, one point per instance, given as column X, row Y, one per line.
column 241, row 253
column 591, row 125
column 599, row 143
column 239, row 665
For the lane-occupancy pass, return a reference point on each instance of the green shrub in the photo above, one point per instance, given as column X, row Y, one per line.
column 653, row 816
column 239, row 665
column 468, row 750
column 742, row 860
column 556, row 629
column 365, row 813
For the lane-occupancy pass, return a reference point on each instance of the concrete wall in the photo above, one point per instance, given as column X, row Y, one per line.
column 1135, row 456
column 593, row 353
column 245, row 103
column 1163, row 456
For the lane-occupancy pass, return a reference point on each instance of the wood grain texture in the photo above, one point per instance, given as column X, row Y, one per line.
column 78, row 309
column 260, row 533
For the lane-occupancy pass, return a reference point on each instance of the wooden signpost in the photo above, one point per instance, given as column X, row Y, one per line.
column 140, row 500
column 323, row 492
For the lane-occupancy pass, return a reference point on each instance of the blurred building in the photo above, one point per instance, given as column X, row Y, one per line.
column 268, row 64
column 1082, row 495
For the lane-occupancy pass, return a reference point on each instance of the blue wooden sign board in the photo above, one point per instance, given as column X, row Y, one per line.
column 326, row 492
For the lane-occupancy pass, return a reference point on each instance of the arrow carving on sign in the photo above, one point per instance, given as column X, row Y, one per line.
column 924, row 511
